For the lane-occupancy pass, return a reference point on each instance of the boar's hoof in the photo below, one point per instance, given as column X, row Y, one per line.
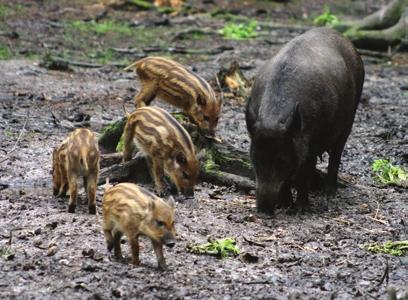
column 109, row 245
column 71, row 208
column 331, row 189
column 188, row 192
column 92, row 209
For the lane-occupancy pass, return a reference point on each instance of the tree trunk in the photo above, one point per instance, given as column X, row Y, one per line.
column 380, row 30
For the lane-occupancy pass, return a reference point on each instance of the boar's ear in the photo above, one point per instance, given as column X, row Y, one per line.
column 171, row 203
column 296, row 125
column 201, row 100
column 181, row 159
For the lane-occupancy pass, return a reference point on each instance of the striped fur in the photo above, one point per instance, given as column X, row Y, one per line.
column 76, row 156
column 159, row 136
column 131, row 210
column 177, row 85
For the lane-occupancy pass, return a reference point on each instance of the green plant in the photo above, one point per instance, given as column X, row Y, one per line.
column 239, row 31
column 327, row 18
column 397, row 248
column 5, row 53
column 386, row 173
column 220, row 248
column 6, row 253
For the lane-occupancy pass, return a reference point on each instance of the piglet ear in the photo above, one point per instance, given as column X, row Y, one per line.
column 152, row 205
column 201, row 100
column 171, row 203
column 181, row 159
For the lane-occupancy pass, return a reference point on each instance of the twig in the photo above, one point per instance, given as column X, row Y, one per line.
column 18, row 139
column 253, row 242
column 219, row 86
column 386, row 274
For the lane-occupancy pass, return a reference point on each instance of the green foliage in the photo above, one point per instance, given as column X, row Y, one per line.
column 102, row 27
column 5, row 53
column 327, row 18
column 145, row 5
column 221, row 248
column 239, row 31
column 120, row 145
column 397, row 248
column 3, row 11
column 386, row 173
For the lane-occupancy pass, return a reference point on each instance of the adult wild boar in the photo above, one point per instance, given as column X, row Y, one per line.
column 302, row 104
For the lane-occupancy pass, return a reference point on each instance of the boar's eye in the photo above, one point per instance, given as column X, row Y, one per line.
column 159, row 223
column 186, row 176
column 181, row 159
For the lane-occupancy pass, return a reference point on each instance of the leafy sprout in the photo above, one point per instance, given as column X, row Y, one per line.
column 386, row 173
column 397, row 248
column 327, row 18
column 239, row 31
column 221, row 248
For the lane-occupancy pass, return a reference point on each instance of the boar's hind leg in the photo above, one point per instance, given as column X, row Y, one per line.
column 107, row 231
column 146, row 94
column 158, row 249
column 128, row 145
column 157, row 172
column 73, row 192
column 333, row 168
column 91, row 193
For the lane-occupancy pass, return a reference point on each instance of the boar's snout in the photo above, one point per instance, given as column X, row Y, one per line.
column 168, row 240
column 170, row 244
column 270, row 196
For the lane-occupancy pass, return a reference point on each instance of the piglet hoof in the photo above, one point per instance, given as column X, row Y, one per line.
column 331, row 190
column 92, row 209
column 162, row 267
column 55, row 192
column 109, row 245
column 135, row 262
column 71, row 208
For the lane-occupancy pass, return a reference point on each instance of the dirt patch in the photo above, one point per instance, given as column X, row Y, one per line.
column 311, row 256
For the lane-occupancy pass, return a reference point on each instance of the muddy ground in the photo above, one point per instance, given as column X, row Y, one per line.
column 316, row 255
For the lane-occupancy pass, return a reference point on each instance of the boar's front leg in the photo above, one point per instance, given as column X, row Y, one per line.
column 117, row 251
column 158, row 249
column 134, row 245
column 147, row 93
column 303, row 183
column 73, row 192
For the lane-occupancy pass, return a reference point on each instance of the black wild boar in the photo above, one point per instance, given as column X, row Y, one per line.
column 302, row 104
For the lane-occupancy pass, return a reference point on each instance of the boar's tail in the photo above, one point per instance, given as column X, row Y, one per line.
column 83, row 161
